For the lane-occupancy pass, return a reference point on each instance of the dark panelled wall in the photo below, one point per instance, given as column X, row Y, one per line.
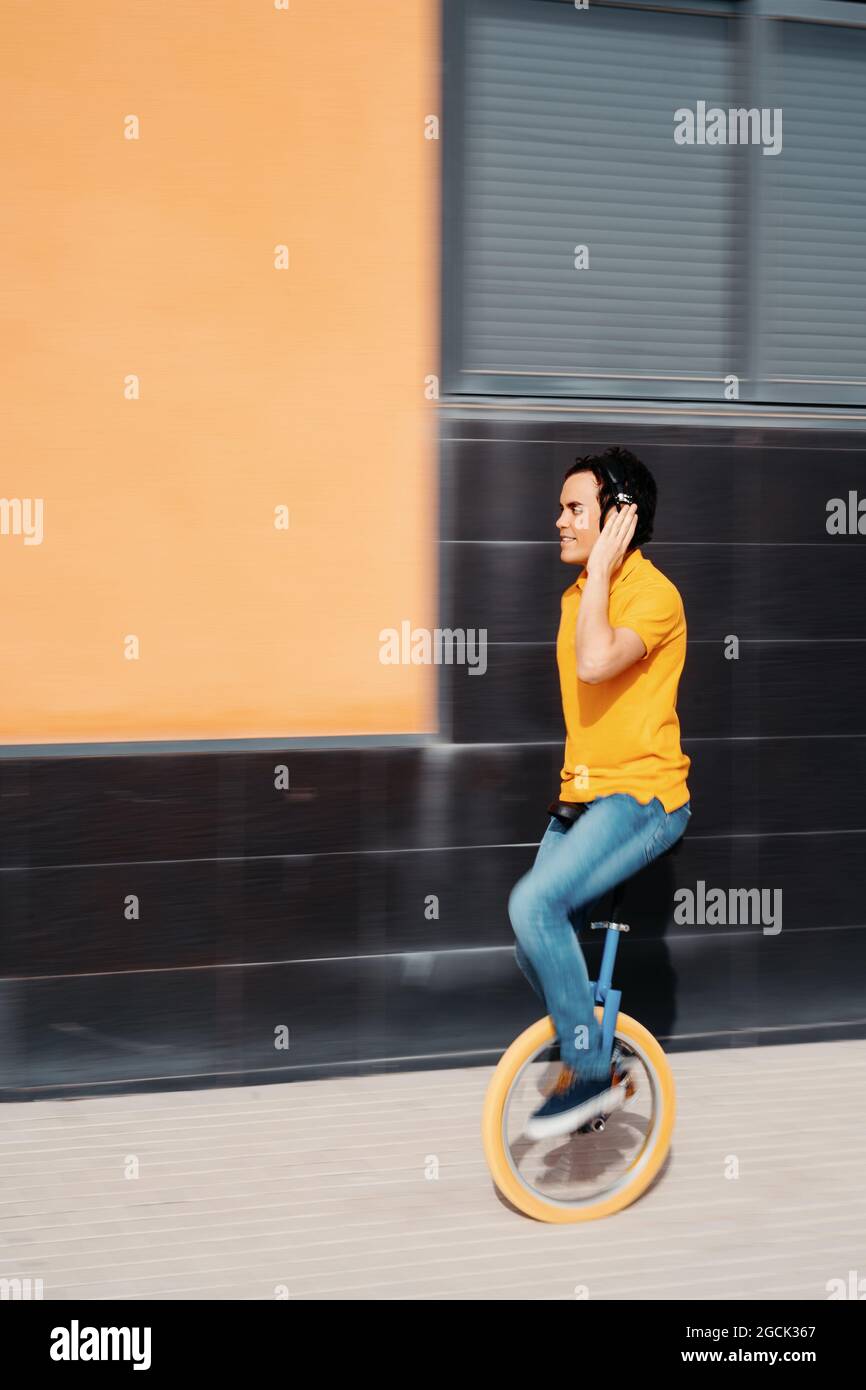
column 777, row 737
column 263, row 909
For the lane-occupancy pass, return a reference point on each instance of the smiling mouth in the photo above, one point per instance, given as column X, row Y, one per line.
column 567, row 540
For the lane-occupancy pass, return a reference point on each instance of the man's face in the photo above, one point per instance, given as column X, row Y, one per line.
column 578, row 518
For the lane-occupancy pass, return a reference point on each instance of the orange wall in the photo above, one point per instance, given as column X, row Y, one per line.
column 259, row 387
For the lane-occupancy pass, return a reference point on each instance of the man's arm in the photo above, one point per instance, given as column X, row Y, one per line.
column 602, row 651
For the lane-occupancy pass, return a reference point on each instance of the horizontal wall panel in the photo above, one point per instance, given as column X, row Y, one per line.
column 192, row 916
column 167, row 805
column 502, row 479
column 789, row 688
column 758, row 593
column 121, row 1030
column 72, row 1036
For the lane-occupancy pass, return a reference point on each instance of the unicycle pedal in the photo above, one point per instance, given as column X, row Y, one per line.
column 594, row 1126
column 624, row 1074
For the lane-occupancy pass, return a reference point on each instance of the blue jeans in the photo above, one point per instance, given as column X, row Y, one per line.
column 577, row 864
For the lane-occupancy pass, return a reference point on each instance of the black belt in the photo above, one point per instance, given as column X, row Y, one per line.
column 567, row 810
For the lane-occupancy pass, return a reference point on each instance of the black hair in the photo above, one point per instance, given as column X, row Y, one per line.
column 635, row 479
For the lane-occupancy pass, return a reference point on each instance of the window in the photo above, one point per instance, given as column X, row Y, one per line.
column 588, row 253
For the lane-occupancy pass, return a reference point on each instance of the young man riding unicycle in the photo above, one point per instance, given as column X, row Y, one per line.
column 623, row 798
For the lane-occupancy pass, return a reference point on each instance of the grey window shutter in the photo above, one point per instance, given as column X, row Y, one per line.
column 565, row 138
column 812, row 201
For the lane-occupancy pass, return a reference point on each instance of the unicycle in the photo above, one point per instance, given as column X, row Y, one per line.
column 604, row 1165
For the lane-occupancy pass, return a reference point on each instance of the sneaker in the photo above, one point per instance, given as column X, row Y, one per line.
column 573, row 1102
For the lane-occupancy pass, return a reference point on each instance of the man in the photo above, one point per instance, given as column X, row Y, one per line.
column 620, row 652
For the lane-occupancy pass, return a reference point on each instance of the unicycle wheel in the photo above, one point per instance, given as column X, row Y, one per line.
column 592, row 1172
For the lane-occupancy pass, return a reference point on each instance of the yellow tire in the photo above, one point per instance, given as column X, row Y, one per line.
column 636, row 1176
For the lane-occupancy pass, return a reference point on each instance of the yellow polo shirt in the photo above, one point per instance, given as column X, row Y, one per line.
column 623, row 735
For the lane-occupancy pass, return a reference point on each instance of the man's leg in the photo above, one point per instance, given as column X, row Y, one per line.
column 552, row 836
column 614, row 838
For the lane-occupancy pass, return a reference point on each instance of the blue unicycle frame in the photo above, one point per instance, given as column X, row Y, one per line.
column 602, row 988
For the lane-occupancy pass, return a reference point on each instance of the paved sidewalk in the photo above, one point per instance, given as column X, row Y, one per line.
column 326, row 1190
